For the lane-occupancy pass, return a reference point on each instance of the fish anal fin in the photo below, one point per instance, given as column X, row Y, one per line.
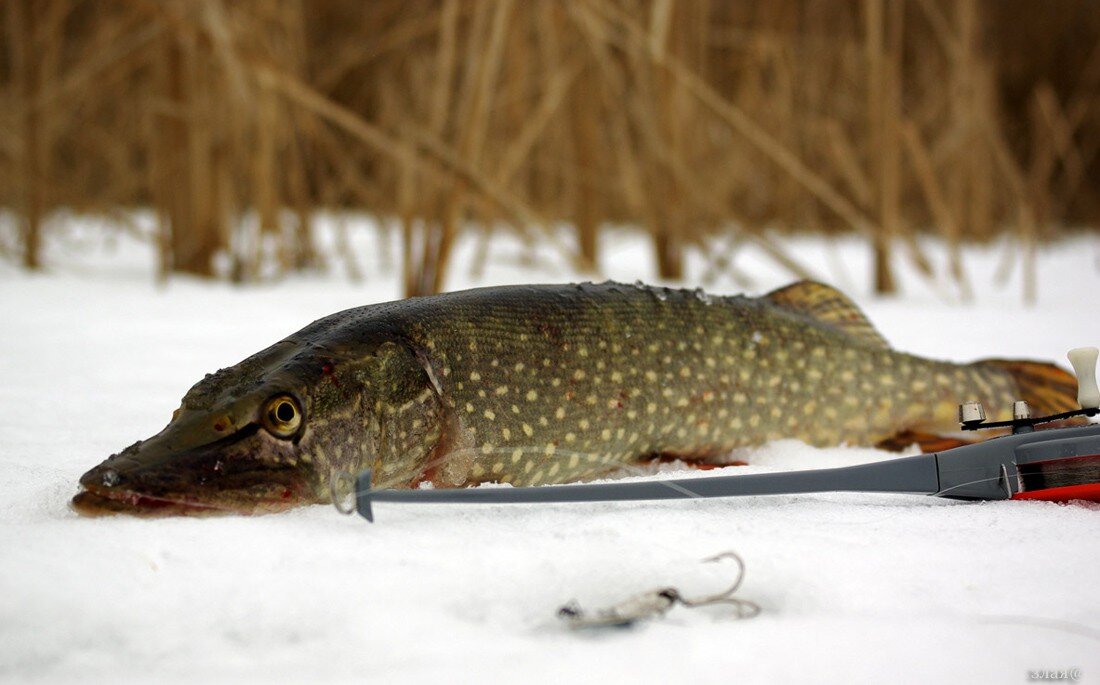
column 928, row 442
column 703, row 460
column 829, row 307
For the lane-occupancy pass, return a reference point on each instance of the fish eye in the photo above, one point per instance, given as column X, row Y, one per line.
column 282, row 417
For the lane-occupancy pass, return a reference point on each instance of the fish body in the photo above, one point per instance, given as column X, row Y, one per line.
column 542, row 384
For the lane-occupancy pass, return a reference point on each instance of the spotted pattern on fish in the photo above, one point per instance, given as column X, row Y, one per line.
column 607, row 374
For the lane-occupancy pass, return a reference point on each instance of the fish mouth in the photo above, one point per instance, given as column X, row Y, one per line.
column 221, row 478
column 96, row 501
column 103, row 502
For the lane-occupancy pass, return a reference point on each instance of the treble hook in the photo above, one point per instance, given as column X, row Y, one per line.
column 726, row 596
column 657, row 602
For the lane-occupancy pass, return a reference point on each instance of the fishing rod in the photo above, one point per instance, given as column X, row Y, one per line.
column 1053, row 463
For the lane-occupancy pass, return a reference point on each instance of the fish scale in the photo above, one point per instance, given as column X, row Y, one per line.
column 543, row 384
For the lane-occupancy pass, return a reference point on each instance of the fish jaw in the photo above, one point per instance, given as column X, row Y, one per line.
column 216, row 479
column 93, row 502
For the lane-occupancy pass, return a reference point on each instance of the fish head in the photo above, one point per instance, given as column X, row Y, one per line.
column 262, row 436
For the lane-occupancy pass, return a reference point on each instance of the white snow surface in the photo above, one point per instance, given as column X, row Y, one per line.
column 94, row 355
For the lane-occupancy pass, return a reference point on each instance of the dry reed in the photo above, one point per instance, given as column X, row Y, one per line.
column 705, row 123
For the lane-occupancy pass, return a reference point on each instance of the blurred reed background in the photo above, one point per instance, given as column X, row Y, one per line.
column 700, row 122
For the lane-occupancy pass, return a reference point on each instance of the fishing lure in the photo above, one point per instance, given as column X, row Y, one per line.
column 658, row 602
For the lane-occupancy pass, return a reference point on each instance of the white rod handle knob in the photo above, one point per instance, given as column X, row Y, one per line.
column 1084, row 365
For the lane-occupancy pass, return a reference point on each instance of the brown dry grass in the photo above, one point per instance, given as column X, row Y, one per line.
column 693, row 120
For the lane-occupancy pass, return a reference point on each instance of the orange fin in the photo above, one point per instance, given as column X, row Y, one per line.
column 1048, row 388
column 694, row 461
column 928, row 442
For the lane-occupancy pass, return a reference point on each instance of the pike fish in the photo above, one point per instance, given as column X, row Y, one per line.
column 543, row 384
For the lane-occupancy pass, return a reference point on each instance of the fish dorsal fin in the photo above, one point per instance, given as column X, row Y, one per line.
column 827, row 306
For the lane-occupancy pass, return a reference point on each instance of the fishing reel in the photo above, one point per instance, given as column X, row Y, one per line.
column 1083, row 359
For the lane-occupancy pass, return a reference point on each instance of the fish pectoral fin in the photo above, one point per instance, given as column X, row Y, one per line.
column 928, row 442
column 829, row 307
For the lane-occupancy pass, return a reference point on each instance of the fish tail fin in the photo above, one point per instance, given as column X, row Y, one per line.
column 1048, row 388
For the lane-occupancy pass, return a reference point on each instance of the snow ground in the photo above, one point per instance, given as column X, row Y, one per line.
column 853, row 588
